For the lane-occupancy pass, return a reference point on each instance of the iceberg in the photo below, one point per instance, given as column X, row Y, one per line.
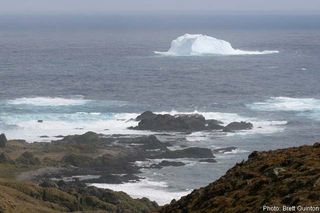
column 198, row 45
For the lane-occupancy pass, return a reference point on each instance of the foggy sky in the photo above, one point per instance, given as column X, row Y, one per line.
column 114, row 6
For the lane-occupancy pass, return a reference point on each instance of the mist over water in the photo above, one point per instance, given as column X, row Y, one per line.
column 95, row 73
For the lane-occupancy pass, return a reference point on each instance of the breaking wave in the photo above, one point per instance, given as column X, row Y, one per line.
column 287, row 104
column 154, row 190
column 48, row 101
column 306, row 107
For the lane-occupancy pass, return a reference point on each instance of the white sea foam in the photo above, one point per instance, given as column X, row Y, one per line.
column 48, row 101
column 236, row 151
column 26, row 126
column 154, row 190
column 287, row 104
column 197, row 45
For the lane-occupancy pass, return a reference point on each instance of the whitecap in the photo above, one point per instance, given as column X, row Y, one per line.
column 26, row 126
column 48, row 101
column 286, row 104
column 198, row 45
column 236, row 151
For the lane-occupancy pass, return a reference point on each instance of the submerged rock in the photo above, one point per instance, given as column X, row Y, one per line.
column 236, row 126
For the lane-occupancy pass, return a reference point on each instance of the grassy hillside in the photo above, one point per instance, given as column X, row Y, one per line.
column 18, row 197
column 286, row 177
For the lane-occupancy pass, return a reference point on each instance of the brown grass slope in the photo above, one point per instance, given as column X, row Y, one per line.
column 287, row 177
column 23, row 197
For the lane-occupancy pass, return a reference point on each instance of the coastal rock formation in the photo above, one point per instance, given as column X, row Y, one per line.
column 146, row 115
column 181, row 123
column 236, row 126
column 285, row 177
column 3, row 140
column 185, row 123
column 159, row 122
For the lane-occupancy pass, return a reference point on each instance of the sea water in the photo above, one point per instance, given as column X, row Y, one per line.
column 62, row 75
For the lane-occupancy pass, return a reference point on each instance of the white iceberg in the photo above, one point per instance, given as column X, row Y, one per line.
column 198, row 44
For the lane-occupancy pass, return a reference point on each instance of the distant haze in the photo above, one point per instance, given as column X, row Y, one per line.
column 115, row 6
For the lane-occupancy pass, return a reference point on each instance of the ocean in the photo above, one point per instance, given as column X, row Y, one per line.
column 79, row 73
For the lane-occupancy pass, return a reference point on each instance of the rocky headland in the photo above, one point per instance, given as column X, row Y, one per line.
column 281, row 178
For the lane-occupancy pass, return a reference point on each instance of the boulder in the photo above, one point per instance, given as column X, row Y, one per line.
column 236, row 126
column 192, row 152
column 3, row 141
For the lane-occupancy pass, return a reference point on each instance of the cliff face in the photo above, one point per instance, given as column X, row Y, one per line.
column 286, row 177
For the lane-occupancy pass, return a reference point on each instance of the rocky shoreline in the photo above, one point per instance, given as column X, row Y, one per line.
column 72, row 162
column 280, row 178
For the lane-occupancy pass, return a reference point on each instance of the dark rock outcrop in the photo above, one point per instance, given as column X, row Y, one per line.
column 185, row 123
column 166, row 163
column 213, row 124
column 285, row 177
column 146, row 115
column 158, row 122
column 3, row 141
column 236, row 126
column 193, row 152
column 150, row 142
column 181, row 123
